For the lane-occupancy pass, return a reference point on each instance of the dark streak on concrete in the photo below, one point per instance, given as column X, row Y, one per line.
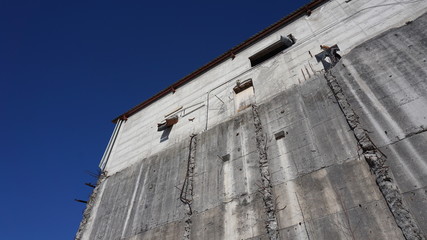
column 415, row 133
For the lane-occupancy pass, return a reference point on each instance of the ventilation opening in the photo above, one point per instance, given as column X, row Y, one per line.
column 225, row 158
column 279, row 135
column 272, row 50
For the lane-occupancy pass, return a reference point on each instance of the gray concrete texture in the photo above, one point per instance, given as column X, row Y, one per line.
column 385, row 80
column 322, row 188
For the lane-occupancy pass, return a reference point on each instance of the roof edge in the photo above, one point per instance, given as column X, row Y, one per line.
column 306, row 9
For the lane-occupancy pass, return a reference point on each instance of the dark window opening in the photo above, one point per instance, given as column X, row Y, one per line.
column 329, row 56
column 279, row 135
column 225, row 158
column 272, row 50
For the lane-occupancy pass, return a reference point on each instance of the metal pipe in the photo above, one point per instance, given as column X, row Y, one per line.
column 110, row 145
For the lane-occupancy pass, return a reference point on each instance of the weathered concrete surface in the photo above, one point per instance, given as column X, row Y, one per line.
column 266, row 187
column 322, row 188
column 141, row 197
column 386, row 81
column 227, row 188
column 209, row 99
column 377, row 164
column 321, row 200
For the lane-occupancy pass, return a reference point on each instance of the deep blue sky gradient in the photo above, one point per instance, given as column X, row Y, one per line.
column 67, row 68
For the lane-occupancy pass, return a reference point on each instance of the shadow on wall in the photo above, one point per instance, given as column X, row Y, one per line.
column 165, row 134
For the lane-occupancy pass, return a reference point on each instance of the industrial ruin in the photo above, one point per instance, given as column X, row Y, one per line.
column 314, row 128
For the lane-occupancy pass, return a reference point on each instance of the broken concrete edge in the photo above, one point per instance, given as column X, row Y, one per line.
column 89, row 206
column 376, row 161
column 186, row 195
column 266, row 187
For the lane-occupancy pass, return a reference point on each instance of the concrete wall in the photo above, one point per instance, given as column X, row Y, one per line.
column 291, row 168
column 335, row 22
column 385, row 81
column 321, row 189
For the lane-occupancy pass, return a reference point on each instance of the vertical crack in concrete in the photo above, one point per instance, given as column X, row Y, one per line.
column 186, row 195
column 89, row 207
column 376, row 161
column 266, row 188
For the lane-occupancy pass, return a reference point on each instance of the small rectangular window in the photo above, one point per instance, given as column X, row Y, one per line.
column 225, row 158
column 279, row 135
column 272, row 50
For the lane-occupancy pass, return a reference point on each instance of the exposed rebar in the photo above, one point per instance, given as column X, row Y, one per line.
column 186, row 195
column 376, row 161
column 266, row 187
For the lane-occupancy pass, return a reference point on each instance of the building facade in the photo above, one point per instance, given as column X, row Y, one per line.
column 280, row 138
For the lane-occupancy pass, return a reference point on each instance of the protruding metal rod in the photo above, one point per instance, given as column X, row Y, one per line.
column 90, row 185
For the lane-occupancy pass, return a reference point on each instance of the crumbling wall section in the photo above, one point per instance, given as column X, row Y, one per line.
column 186, row 195
column 266, row 188
column 385, row 87
column 317, row 188
column 322, row 189
column 376, row 160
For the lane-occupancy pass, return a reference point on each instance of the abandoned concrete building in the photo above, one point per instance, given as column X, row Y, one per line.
column 279, row 138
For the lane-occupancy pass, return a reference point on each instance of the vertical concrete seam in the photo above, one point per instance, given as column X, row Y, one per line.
column 266, row 187
column 186, row 195
column 89, row 207
column 376, row 161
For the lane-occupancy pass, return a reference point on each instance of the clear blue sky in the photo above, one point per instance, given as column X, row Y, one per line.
column 67, row 68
